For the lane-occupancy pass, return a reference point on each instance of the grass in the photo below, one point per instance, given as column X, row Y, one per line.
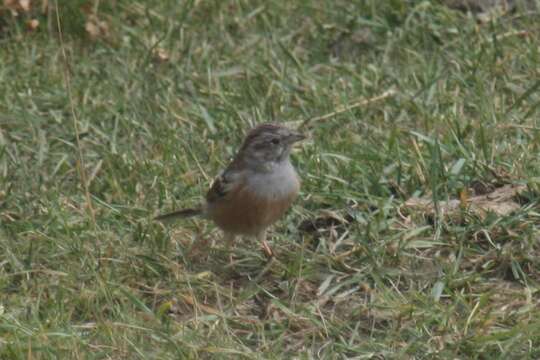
column 85, row 273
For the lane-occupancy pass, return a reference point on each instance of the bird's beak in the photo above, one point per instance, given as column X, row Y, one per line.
column 295, row 137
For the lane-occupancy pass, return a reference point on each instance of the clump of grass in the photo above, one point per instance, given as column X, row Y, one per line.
column 162, row 105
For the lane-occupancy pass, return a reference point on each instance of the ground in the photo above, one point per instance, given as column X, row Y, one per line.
column 410, row 106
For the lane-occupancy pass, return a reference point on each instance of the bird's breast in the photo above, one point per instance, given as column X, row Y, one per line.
column 259, row 202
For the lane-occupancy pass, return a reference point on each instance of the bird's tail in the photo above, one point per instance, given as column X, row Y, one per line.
column 179, row 214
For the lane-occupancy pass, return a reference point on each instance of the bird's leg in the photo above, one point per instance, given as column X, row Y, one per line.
column 261, row 237
column 229, row 240
column 269, row 254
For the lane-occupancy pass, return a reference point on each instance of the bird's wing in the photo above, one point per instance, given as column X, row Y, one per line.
column 224, row 184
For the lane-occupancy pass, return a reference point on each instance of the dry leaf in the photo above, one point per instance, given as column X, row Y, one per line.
column 24, row 5
column 500, row 201
column 17, row 6
column 32, row 25
column 161, row 55
column 489, row 10
column 207, row 309
column 92, row 29
column 328, row 219
column 96, row 28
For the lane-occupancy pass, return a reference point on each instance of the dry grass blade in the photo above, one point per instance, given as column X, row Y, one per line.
column 363, row 102
column 80, row 161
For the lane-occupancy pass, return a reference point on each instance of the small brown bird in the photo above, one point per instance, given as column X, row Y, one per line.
column 257, row 187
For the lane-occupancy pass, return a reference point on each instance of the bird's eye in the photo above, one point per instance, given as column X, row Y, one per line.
column 275, row 141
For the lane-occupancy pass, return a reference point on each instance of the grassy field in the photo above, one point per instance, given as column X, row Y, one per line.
column 401, row 100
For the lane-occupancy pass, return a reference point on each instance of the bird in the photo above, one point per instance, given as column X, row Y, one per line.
column 255, row 190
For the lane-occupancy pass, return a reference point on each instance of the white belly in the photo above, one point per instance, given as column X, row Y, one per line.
column 279, row 183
